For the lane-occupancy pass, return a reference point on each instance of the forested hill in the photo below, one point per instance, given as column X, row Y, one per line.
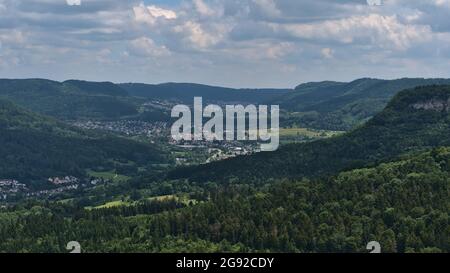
column 415, row 119
column 342, row 106
column 96, row 88
column 70, row 99
column 185, row 92
column 35, row 147
column 403, row 205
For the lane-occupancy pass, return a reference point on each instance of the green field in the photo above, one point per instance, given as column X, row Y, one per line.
column 113, row 204
column 182, row 199
column 112, row 176
column 119, row 203
column 304, row 134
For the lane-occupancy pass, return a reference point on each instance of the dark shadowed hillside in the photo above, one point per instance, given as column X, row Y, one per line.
column 37, row 147
column 95, row 88
column 70, row 99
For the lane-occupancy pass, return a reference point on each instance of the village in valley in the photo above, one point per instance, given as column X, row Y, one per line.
column 184, row 152
column 126, row 127
column 11, row 188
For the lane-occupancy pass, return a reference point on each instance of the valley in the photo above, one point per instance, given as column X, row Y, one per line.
column 120, row 182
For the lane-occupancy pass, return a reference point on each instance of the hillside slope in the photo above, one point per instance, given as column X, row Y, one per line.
column 35, row 147
column 402, row 204
column 342, row 106
column 70, row 99
column 415, row 119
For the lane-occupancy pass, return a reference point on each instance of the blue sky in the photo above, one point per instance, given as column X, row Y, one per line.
column 238, row 43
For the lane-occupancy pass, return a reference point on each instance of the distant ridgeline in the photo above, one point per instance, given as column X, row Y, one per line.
column 75, row 99
column 322, row 105
column 185, row 92
column 342, row 106
column 415, row 120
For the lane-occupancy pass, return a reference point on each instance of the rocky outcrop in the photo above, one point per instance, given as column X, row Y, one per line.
column 433, row 105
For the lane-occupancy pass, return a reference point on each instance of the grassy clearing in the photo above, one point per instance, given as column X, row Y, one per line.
column 182, row 199
column 119, row 203
column 295, row 135
column 305, row 132
column 112, row 176
column 113, row 204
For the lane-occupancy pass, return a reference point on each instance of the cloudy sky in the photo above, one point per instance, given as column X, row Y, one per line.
column 239, row 43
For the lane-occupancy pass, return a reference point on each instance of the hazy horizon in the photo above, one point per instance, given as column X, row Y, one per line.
column 220, row 86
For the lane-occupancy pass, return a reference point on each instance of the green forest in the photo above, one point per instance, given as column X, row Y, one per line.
column 403, row 204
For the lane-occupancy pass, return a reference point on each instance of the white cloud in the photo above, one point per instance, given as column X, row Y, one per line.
column 279, row 50
column 13, row 38
column 160, row 12
column 150, row 14
column 442, row 3
column 196, row 34
column 374, row 29
column 203, row 8
column 73, row 2
column 147, row 47
column 375, row 2
column 327, row 53
column 268, row 7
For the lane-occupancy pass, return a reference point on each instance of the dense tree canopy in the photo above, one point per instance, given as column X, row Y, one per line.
column 403, row 205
